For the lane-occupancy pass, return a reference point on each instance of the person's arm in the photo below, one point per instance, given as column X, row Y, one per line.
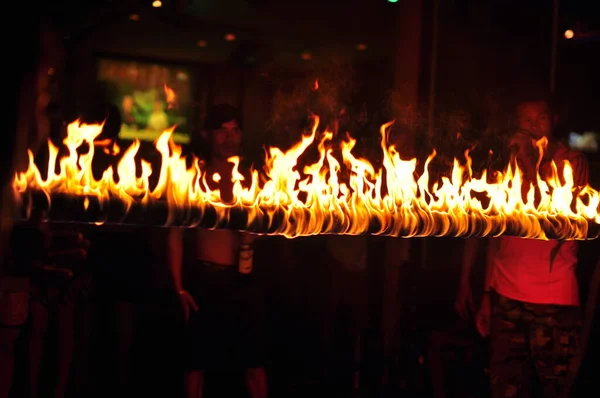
column 175, row 260
column 483, row 318
column 489, row 266
column 471, row 249
column 581, row 171
column 525, row 153
column 464, row 305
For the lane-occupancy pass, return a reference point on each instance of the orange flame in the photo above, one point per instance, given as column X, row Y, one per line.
column 391, row 200
column 171, row 97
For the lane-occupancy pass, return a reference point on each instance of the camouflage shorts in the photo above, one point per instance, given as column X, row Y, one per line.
column 532, row 341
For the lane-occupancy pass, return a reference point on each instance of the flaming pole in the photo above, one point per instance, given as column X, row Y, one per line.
column 396, row 198
column 89, row 210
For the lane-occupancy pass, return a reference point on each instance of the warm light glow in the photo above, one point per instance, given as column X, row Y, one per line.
column 340, row 194
column 229, row 37
column 157, row 4
column 135, row 17
column 202, row 43
column 569, row 34
column 170, row 97
column 361, row 46
column 306, row 56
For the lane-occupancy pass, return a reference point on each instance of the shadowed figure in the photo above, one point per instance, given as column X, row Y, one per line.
column 222, row 301
column 27, row 126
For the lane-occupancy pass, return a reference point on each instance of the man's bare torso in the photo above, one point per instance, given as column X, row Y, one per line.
column 220, row 246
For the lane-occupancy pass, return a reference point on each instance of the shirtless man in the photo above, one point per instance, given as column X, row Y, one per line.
column 221, row 304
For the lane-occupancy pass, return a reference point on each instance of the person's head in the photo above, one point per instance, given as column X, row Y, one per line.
column 535, row 117
column 222, row 132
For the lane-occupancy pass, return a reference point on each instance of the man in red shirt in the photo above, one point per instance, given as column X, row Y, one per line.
column 530, row 307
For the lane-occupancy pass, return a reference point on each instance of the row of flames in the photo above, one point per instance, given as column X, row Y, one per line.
column 394, row 199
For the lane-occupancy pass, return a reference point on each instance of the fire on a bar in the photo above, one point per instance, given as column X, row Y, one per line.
column 332, row 195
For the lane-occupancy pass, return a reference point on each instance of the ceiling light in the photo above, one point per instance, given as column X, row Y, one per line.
column 157, row 4
column 569, row 34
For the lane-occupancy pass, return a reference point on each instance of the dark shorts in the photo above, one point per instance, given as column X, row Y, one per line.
column 52, row 293
column 228, row 330
column 532, row 341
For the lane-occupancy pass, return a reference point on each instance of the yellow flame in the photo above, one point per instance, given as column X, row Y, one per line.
column 392, row 200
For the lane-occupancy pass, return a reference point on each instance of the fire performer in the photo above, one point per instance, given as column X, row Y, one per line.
column 223, row 306
column 530, row 307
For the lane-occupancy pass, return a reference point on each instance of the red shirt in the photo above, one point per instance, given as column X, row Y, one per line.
column 537, row 271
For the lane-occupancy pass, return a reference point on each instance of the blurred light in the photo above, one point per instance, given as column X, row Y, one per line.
column 306, row 56
column 588, row 141
column 50, row 71
column 230, row 37
column 202, row 43
column 134, row 17
column 361, row 46
column 569, row 34
column 392, row 1
column 157, row 4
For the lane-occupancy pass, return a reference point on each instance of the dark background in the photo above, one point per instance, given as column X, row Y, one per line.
column 423, row 60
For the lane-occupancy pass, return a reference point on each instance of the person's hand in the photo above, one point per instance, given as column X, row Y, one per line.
column 523, row 148
column 65, row 253
column 47, row 248
column 188, row 304
column 52, row 273
column 484, row 316
column 463, row 305
column 67, row 247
